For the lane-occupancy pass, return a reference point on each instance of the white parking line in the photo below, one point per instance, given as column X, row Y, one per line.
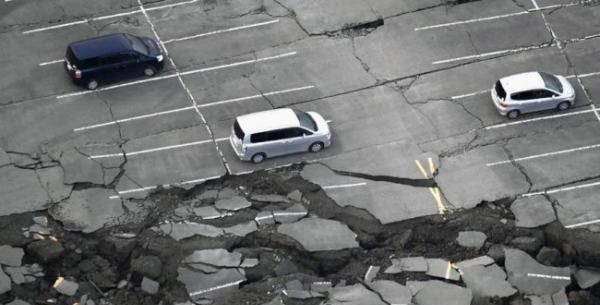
column 52, row 62
column 456, row 97
column 539, row 119
column 552, row 277
column 501, row 52
column 564, row 189
column 595, row 112
column 148, row 188
column 222, row 31
column 145, row 151
column 340, row 186
column 177, row 75
column 58, row 26
column 440, row 25
column 550, row 154
column 155, row 114
column 215, row 288
column 581, row 224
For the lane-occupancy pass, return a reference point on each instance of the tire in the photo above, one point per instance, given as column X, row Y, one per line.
column 563, row 105
column 92, row 84
column 513, row 114
column 258, row 158
column 316, row 147
column 149, row 71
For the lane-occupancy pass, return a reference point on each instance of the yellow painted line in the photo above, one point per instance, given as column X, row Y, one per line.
column 431, row 167
column 421, row 168
column 448, row 271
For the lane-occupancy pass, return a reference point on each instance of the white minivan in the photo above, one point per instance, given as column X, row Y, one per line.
column 260, row 135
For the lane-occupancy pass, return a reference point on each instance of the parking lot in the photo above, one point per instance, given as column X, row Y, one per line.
column 405, row 88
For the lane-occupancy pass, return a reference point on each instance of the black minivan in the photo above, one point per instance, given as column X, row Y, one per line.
column 112, row 57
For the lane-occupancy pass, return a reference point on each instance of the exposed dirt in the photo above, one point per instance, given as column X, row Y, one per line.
column 109, row 265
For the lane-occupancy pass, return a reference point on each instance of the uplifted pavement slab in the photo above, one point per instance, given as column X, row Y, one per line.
column 215, row 257
column 533, row 211
column 456, row 174
column 4, row 158
column 437, row 292
column 5, row 283
column 559, row 298
column 79, row 167
column 241, row 229
column 291, row 214
column 577, row 207
column 529, row 276
column 388, row 202
column 234, row 203
column 24, row 190
column 487, row 281
column 441, row 268
column 587, row 277
column 10, row 256
column 316, row 234
column 200, row 285
column 392, row 292
column 471, row 239
column 353, row 295
column 88, row 210
column 477, row 261
column 179, row 231
column 410, row 264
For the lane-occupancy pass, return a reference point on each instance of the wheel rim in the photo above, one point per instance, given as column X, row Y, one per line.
column 92, row 85
column 316, row 147
column 149, row 72
column 563, row 106
column 513, row 114
column 258, row 158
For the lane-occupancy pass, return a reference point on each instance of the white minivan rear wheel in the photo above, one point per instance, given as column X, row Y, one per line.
column 258, row 158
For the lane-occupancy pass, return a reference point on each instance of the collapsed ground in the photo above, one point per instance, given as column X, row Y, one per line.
column 153, row 254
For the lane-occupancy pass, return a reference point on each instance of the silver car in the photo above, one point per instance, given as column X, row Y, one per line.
column 265, row 134
column 532, row 91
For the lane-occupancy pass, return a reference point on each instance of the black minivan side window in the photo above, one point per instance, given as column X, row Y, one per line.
column 129, row 57
column 112, row 59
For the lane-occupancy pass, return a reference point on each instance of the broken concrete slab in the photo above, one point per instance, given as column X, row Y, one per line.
column 18, row 301
column 392, row 292
column 529, row 276
column 487, row 281
column 78, row 168
column 41, row 220
column 5, row 284
column 291, row 214
column 241, row 229
column 215, row 257
column 147, row 265
column 356, row 294
column 149, row 286
column 249, row 262
column 321, row 286
column 209, row 212
column 295, row 195
column 272, row 198
column 201, row 285
column 45, row 250
column 234, row 203
column 21, row 191
column 532, row 211
column 265, row 218
column 441, row 268
column 179, row 231
column 371, row 273
column 52, row 180
column 587, row 277
column 437, row 292
column 316, row 234
column 204, row 268
column 471, row 239
column 302, row 294
column 17, row 274
column 481, row 260
column 10, row 256
column 66, row 287
column 409, row 264
column 415, row 286
column 88, row 210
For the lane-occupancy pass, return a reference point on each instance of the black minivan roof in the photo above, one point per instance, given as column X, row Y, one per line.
column 100, row 46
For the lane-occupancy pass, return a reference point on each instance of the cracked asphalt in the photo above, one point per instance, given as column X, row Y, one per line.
column 131, row 194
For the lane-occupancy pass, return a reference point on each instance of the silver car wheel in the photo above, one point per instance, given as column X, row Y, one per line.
column 564, row 105
column 92, row 84
column 258, row 158
column 513, row 114
column 316, row 147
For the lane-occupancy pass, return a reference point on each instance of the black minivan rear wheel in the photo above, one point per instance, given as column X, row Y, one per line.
column 149, row 71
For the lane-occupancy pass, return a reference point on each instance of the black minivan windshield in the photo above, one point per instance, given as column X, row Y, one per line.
column 137, row 44
column 306, row 120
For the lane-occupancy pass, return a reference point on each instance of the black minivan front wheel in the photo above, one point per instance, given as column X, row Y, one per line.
column 92, row 84
column 258, row 158
column 149, row 71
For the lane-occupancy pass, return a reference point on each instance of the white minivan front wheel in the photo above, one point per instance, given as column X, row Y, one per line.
column 258, row 158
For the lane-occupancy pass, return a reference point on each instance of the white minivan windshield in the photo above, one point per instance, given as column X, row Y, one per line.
column 306, row 120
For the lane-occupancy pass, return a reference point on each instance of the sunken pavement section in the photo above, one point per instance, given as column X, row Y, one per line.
column 426, row 197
